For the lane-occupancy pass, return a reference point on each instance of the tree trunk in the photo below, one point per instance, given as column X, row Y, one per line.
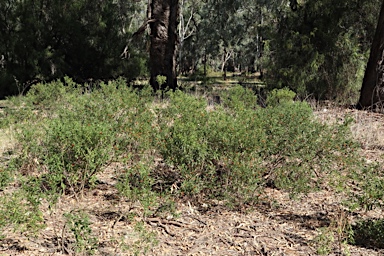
column 164, row 16
column 205, row 62
column 372, row 89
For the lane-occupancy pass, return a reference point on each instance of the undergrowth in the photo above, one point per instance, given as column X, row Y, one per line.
column 67, row 134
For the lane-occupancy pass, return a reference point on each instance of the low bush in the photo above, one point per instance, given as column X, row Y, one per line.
column 20, row 211
column 369, row 233
column 229, row 151
column 238, row 148
column 78, row 133
column 79, row 225
column 5, row 177
column 367, row 185
column 282, row 96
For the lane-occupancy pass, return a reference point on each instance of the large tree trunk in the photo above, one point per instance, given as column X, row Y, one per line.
column 164, row 17
column 373, row 84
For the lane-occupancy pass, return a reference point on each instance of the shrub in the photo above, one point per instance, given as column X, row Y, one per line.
column 82, row 133
column 300, row 151
column 229, row 152
column 48, row 94
column 369, row 233
column 20, row 210
column 236, row 149
column 367, row 186
column 74, row 151
column 280, row 96
column 5, row 177
column 136, row 183
column 79, row 224
column 239, row 99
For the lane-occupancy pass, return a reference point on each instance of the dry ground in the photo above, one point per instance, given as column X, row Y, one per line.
column 280, row 227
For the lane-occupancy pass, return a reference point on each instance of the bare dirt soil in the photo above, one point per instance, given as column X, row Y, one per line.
column 280, row 226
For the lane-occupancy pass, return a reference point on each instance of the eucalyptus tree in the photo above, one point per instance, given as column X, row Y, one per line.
column 226, row 30
column 319, row 48
column 188, row 18
column 163, row 21
column 8, row 25
column 44, row 40
column 372, row 91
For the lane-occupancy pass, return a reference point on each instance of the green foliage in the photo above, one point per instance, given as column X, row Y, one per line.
column 317, row 50
column 79, row 224
column 234, row 150
column 20, row 210
column 74, row 151
column 324, row 241
column 239, row 99
column 161, row 80
column 230, row 151
column 5, row 177
column 140, row 240
column 71, row 149
column 47, row 94
column 136, row 66
column 339, row 232
column 302, row 152
column 75, row 38
column 369, row 233
column 282, row 96
column 136, row 184
column 73, row 140
column 146, row 241
column 370, row 183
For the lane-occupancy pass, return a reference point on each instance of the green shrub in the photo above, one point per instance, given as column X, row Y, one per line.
column 239, row 98
column 82, row 133
column 229, row 152
column 79, row 224
column 161, row 80
column 136, row 184
column 236, row 149
column 181, row 136
column 301, row 154
column 74, row 151
column 280, row 96
column 5, row 177
column 368, row 187
column 48, row 94
column 20, row 210
column 369, row 233
column 143, row 240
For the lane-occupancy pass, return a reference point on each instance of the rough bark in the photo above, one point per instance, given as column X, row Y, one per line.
column 372, row 93
column 164, row 14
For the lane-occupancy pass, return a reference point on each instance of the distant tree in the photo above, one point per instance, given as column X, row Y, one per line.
column 45, row 40
column 229, row 33
column 320, row 48
column 372, row 90
column 186, row 29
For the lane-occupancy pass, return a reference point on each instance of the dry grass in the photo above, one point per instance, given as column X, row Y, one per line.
column 367, row 128
column 7, row 140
